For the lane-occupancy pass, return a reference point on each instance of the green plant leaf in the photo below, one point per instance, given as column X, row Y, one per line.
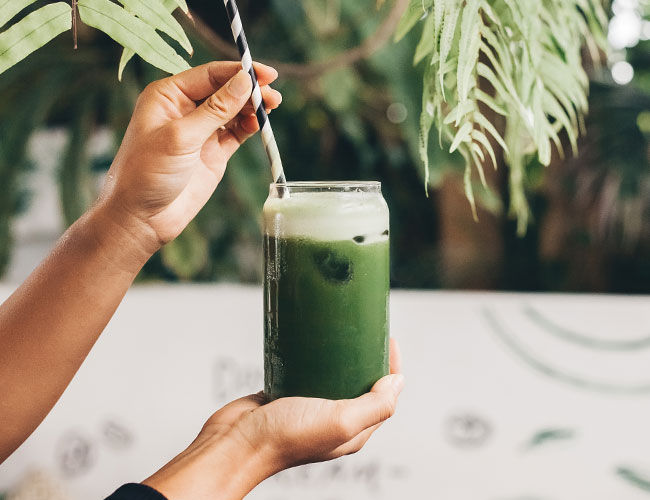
column 426, row 44
column 478, row 158
column 490, row 14
column 459, row 112
column 32, row 32
column 530, row 52
column 540, row 128
column 340, row 88
column 490, row 102
column 481, row 156
column 468, row 47
column 487, row 125
column 9, row 8
column 74, row 169
column 427, row 116
column 482, row 139
column 463, row 134
column 131, row 32
column 127, row 54
column 414, row 12
column 154, row 13
column 170, row 5
column 447, row 37
column 188, row 254
column 438, row 15
column 554, row 109
column 469, row 190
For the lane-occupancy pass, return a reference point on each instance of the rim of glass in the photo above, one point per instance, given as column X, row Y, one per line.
column 326, row 186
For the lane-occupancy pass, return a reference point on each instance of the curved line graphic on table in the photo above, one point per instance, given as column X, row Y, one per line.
column 634, row 477
column 581, row 339
column 554, row 372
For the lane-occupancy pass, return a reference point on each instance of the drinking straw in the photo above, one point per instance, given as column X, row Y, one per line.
column 268, row 138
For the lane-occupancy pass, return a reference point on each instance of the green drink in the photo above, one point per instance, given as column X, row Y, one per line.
column 325, row 289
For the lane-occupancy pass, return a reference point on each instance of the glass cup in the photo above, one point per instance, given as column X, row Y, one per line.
column 326, row 289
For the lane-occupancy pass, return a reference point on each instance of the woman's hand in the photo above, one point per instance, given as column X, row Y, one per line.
column 174, row 153
column 247, row 441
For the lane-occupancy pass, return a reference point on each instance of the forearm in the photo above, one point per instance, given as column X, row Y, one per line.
column 221, row 467
column 50, row 323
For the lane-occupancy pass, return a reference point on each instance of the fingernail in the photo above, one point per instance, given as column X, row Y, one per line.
column 240, row 84
column 397, row 382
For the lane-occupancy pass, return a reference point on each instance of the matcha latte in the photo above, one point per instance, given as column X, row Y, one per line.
column 325, row 289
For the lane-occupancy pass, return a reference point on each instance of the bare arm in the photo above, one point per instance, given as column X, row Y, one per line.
column 171, row 160
column 49, row 324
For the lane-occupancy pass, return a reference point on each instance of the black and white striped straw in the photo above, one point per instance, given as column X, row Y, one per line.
column 247, row 63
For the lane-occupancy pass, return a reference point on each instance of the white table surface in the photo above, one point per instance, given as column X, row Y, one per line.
column 484, row 376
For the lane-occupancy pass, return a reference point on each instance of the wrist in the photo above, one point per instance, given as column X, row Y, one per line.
column 126, row 242
column 220, row 467
column 245, row 465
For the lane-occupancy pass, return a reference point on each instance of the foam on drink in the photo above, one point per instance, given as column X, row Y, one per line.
column 328, row 216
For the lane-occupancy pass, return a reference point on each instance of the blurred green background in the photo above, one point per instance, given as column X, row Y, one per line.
column 591, row 215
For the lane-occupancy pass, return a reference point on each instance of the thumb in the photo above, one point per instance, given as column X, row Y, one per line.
column 218, row 109
column 375, row 406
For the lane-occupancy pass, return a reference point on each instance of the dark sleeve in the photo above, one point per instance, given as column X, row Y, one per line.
column 135, row 491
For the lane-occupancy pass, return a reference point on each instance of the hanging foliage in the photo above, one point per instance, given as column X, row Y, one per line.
column 530, row 53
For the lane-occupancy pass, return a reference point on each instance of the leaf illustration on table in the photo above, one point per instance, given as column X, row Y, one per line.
column 579, row 338
column 560, row 374
column 544, row 436
column 634, row 477
column 32, row 32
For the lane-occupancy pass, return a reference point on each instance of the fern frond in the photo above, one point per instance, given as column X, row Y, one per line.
column 530, row 52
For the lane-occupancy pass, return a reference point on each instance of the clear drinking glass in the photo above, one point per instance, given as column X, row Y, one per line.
column 326, row 289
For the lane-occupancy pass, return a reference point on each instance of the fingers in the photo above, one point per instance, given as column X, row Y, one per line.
column 374, row 407
column 228, row 140
column 216, row 111
column 395, row 356
column 202, row 81
column 355, row 444
column 271, row 97
column 241, row 128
